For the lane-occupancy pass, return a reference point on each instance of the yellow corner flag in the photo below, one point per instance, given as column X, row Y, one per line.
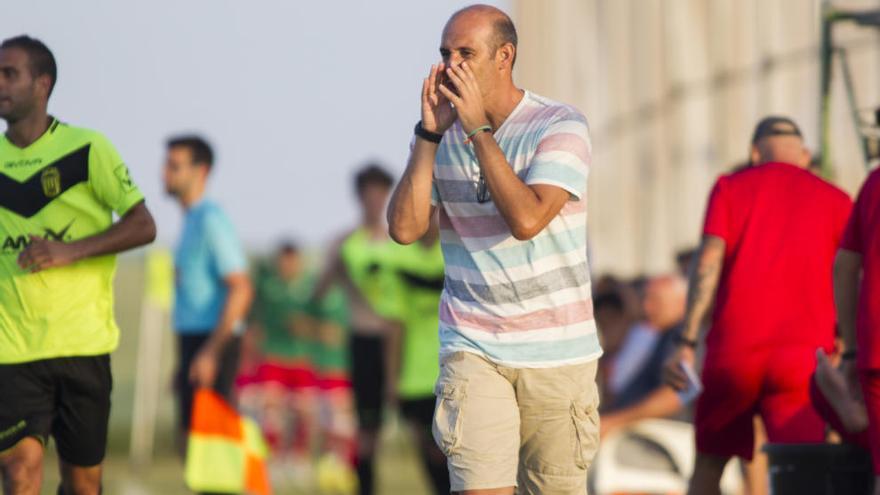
column 226, row 452
column 160, row 278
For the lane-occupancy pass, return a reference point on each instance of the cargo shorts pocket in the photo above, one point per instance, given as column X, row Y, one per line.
column 586, row 427
column 446, row 427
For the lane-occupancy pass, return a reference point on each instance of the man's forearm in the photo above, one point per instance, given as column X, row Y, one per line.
column 136, row 228
column 702, row 283
column 409, row 210
column 517, row 203
column 661, row 403
column 847, row 268
column 235, row 310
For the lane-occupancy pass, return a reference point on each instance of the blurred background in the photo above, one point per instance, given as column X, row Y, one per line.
column 296, row 95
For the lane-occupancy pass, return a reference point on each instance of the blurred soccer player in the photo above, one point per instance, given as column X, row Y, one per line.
column 286, row 374
column 59, row 188
column 507, row 171
column 768, row 246
column 856, row 293
column 420, row 272
column 212, row 288
column 361, row 263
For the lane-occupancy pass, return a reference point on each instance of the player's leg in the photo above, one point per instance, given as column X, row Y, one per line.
column 419, row 413
column 477, row 425
column 560, row 428
column 724, row 419
column 755, row 472
column 26, row 414
column 80, row 480
column 21, row 467
column 80, row 424
column 368, row 381
column 708, row 470
column 187, row 347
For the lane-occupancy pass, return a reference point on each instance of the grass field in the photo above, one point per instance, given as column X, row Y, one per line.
column 399, row 471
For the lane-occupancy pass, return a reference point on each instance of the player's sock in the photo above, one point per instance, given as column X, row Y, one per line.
column 365, row 475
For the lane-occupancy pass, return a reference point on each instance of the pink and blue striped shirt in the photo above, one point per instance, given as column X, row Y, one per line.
column 524, row 304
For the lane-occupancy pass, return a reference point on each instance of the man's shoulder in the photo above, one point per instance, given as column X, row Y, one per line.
column 553, row 111
column 79, row 135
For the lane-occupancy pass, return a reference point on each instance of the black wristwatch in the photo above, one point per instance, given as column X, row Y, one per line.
column 682, row 340
column 427, row 135
column 848, row 355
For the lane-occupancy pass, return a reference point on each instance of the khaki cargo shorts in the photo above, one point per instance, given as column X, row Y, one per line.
column 537, row 429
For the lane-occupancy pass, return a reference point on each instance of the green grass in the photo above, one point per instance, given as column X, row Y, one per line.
column 399, row 471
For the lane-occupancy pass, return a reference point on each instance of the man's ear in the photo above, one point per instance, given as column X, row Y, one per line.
column 44, row 83
column 754, row 155
column 505, row 56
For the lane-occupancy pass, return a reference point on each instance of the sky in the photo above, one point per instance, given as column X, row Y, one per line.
column 294, row 95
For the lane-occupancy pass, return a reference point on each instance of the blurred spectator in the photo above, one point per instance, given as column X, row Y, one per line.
column 361, row 262
column 640, row 392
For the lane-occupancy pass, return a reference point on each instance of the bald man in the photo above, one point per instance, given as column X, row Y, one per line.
column 507, row 171
column 645, row 395
column 769, row 240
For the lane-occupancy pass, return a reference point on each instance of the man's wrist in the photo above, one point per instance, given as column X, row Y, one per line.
column 686, row 341
column 430, row 136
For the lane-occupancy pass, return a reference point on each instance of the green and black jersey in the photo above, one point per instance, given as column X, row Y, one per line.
column 64, row 186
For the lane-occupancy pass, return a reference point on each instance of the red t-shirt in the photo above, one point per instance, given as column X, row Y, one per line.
column 863, row 236
column 782, row 225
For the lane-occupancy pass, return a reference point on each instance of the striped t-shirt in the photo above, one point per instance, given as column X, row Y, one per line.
column 523, row 304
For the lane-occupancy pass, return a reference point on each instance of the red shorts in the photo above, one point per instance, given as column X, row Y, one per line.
column 334, row 382
column 870, row 380
column 774, row 384
column 290, row 376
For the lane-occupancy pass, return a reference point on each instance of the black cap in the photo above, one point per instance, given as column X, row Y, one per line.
column 775, row 126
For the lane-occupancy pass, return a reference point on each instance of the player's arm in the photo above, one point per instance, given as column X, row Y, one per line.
column 847, row 269
column 134, row 229
column 392, row 349
column 702, row 284
column 661, row 403
column 333, row 271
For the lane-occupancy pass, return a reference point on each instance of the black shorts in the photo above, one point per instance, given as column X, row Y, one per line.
column 420, row 412
column 66, row 398
column 227, row 369
column 368, row 378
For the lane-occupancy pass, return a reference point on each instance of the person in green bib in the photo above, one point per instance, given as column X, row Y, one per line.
column 361, row 263
column 286, row 374
column 419, row 270
column 60, row 187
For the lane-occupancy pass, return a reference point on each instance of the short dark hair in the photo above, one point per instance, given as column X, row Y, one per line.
column 198, row 146
column 505, row 32
column 372, row 174
column 42, row 62
column 288, row 247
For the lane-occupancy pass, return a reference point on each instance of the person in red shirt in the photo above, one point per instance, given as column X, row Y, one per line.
column 771, row 232
column 858, row 307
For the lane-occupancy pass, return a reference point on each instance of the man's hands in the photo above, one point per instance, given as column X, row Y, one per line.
column 203, row 370
column 467, row 98
column 673, row 373
column 42, row 254
column 437, row 113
